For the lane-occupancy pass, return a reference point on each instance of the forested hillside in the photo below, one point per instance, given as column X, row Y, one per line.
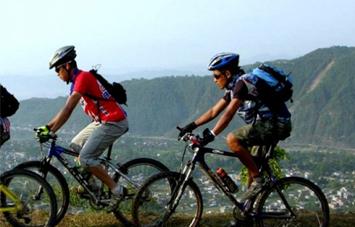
column 323, row 110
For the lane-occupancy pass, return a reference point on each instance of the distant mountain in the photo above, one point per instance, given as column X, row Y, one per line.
column 29, row 86
column 323, row 110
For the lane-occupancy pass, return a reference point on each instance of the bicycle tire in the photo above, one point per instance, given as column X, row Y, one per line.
column 26, row 190
column 54, row 177
column 295, row 190
column 158, row 186
column 139, row 167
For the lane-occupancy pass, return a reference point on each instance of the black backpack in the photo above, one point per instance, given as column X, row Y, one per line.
column 115, row 89
column 8, row 103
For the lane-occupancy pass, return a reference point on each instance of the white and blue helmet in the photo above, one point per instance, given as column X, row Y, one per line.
column 223, row 60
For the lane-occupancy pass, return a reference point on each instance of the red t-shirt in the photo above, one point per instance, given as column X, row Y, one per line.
column 109, row 110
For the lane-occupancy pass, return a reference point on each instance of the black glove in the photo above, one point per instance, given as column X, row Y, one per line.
column 187, row 129
column 207, row 137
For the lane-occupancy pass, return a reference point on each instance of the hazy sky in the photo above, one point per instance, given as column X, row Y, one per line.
column 126, row 36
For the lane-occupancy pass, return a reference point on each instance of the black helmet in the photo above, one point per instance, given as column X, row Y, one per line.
column 62, row 55
column 223, row 60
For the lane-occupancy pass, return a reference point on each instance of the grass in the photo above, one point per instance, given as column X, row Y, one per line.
column 102, row 219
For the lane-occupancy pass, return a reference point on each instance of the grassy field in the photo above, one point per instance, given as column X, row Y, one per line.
column 102, row 219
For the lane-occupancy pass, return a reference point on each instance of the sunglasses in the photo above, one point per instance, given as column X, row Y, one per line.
column 57, row 68
column 217, row 76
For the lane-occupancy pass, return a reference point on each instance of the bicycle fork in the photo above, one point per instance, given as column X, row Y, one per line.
column 43, row 173
column 179, row 190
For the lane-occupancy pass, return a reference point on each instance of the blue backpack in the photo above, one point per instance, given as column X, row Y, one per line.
column 274, row 86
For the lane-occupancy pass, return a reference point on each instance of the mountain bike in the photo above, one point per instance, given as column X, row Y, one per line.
column 22, row 204
column 289, row 201
column 130, row 175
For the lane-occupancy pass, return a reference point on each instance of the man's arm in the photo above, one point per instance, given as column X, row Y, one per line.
column 227, row 116
column 212, row 113
column 64, row 114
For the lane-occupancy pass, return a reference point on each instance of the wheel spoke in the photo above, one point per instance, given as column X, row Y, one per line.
column 158, row 210
column 137, row 171
column 36, row 210
column 293, row 201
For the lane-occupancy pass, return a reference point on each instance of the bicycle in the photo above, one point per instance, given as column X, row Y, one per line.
column 130, row 175
column 22, row 204
column 289, row 201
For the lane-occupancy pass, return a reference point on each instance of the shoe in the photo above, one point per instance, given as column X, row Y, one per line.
column 253, row 190
column 118, row 193
column 93, row 186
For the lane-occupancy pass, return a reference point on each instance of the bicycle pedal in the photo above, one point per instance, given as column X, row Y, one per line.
column 82, row 193
column 240, row 216
column 84, row 196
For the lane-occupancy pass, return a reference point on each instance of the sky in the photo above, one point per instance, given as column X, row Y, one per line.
column 129, row 37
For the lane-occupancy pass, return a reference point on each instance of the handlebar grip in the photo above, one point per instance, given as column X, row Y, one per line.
column 178, row 128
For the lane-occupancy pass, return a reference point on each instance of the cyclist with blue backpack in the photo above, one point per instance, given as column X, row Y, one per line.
column 259, row 99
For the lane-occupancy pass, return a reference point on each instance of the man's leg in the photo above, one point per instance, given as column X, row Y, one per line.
column 80, row 139
column 102, row 175
column 96, row 144
column 244, row 156
column 237, row 142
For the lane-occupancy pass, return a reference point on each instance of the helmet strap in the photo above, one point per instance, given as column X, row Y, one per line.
column 68, row 72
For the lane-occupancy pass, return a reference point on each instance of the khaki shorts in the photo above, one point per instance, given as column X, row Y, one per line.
column 263, row 132
column 92, row 141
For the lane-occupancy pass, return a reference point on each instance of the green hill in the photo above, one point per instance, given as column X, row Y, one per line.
column 322, row 110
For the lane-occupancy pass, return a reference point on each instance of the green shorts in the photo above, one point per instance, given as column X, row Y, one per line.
column 263, row 132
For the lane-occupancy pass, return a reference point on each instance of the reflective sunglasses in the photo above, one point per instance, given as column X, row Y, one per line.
column 57, row 68
column 217, row 76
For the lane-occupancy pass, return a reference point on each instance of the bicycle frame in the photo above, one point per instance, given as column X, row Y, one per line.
column 57, row 151
column 199, row 158
column 9, row 194
column 256, row 209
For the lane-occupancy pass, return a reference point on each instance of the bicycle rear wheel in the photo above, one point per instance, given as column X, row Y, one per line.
column 39, row 207
column 293, row 201
column 153, row 203
column 137, row 171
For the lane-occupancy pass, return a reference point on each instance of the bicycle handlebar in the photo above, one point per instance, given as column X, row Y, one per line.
column 189, row 137
column 52, row 136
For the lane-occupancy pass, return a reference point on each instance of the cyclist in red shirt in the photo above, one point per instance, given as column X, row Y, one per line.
column 109, row 118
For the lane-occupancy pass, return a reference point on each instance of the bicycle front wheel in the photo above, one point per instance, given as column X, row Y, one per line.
column 164, row 200
column 38, row 207
column 57, row 181
column 136, row 172
column 293, row 201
